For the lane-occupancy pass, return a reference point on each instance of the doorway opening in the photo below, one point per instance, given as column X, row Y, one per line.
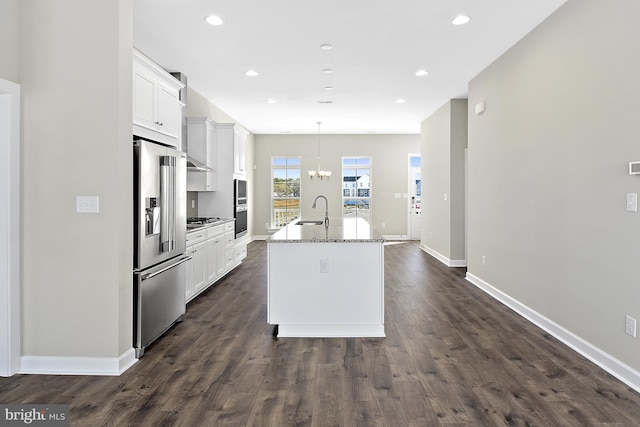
column 415, row 196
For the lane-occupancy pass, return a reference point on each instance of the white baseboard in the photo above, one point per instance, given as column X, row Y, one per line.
column 395, row 237
column 330, row 331
column 105, row 366
column 260, row 237
column 443, row 259
column 615, row 367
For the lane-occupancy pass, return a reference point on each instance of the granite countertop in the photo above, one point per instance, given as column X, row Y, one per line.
column 344, row 230
column 209, row 224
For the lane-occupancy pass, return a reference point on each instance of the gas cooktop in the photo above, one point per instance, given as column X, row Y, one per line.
column 202, row 220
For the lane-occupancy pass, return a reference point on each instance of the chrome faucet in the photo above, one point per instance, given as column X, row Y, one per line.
column 326, row 210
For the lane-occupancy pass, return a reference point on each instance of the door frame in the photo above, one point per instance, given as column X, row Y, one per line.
column 9, row 228
column 409, row 186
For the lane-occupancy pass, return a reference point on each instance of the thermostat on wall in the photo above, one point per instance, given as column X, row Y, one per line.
column 634, row 168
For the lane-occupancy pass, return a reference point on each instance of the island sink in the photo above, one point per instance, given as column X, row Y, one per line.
column 320, row 222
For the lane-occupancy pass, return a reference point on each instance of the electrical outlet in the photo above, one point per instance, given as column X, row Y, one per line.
column 484, row 260
column 630, row 326
column 87, row 204
column 324, row 266
column 384, row 224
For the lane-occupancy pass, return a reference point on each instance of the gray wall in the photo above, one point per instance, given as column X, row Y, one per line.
column 443, row 143
column 548, row 172
column 9, row 34
column 75, row 76
column 389, row 174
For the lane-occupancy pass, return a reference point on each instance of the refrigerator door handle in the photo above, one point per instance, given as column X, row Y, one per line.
column 164, row 204
column 155, row 273
column 174, row 201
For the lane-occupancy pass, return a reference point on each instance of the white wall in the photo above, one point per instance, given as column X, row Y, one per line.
column 75, row 73
column 389, row 174
column 548, row 173
column 443, row 143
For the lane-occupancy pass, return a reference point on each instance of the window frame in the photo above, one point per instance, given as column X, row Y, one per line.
column 275, row 222
column 356, row 197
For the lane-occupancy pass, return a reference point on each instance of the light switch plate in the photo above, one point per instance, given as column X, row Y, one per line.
column 632, row 202
column 87, row 204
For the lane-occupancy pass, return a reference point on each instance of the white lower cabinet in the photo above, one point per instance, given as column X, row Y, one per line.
column 214, row 252
column 197, row 266
column 199, row 262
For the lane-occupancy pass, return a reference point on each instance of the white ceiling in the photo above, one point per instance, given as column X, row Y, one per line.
column 378, row 47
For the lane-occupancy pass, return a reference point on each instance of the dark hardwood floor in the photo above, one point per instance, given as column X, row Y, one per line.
column 452, row 357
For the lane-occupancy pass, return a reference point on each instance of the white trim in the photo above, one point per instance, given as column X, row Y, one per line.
column 10, row 223
column 443, row 259
column 330, row 331
column 395, row 237
column 615, row 367
column 259, row 237
column 106, row 366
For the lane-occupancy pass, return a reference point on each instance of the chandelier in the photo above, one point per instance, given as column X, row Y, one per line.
column 319, row 173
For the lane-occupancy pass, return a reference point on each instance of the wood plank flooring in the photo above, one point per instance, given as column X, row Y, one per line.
column 452, row 357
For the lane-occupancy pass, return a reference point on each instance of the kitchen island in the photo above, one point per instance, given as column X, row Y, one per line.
column 326, row 281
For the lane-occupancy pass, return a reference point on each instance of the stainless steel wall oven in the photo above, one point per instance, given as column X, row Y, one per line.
column 240, row 208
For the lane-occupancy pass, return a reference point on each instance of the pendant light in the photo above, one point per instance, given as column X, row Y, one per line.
column 319, row 173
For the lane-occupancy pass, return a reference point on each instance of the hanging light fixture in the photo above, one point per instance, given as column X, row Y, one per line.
column 318, row 173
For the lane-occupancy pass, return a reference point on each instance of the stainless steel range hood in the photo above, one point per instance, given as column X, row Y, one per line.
column 194, row 165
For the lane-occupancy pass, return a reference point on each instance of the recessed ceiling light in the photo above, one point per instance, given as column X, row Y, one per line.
column 325, row 102
column 327, row 71
column 326, row 46
column 400, row 101
column 460, row 20
column 214, row 20
column 251, row 73
column 421, row 73
column 328, row 88
column 271, row 101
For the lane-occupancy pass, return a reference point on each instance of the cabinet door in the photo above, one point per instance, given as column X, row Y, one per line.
column 199, row 262
column 220, row 252
column 168, row 113
column 211, row 157
column 211, row 259
column 239, row 152
column 144, row 98
column 189, row 266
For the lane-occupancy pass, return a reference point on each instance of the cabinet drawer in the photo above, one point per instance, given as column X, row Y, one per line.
column 229, row 240
column 216, row 231
column 228, row 259
column 230, row 226
column 240, row 253
column 196, row 236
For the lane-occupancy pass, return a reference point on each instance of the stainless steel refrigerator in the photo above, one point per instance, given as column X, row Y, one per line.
column 160, row 215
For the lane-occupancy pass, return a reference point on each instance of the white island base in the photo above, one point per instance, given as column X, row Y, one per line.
column 326, row 288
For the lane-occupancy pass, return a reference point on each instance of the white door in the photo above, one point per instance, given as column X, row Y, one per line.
column 9, row 228
column 415, row 190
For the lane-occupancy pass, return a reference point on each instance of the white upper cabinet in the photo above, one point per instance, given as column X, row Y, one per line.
column 240, row 150
column 202, row 146
column 156, row 102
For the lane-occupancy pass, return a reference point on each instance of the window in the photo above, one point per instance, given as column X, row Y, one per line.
column 356, row 187
column 285, row 192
